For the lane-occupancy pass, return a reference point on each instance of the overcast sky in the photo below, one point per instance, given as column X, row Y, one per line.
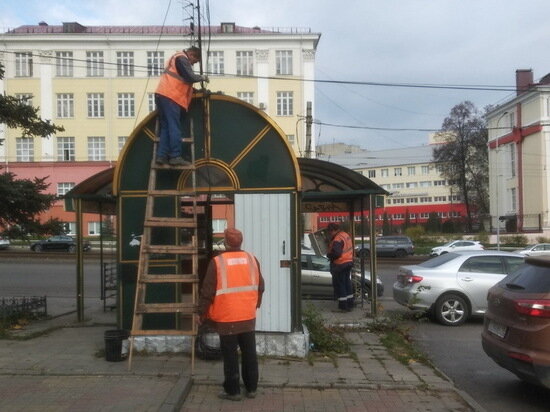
column 438, row 42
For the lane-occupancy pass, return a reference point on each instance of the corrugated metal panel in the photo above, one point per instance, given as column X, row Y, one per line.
column 264, row 220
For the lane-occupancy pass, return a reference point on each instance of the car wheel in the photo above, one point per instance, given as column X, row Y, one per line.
column 72, row 248
column 451, row 310
column 400, row 253
column 356, row 285
column 443, row 253
column 38, row 248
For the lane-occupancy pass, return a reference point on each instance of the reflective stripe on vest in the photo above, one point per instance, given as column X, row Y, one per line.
column 237, row 285
column 347, row 249
column 173, row 86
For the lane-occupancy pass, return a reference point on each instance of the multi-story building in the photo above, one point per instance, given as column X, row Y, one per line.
column 519, row 158
column 98, row 83
column 411, row 177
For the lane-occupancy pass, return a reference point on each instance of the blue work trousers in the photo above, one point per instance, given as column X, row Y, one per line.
column 171, row 117
column 341, row 280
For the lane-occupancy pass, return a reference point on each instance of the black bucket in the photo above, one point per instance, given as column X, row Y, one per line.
column 113, row 344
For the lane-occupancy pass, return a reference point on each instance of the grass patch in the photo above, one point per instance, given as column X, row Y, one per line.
column 324, row 339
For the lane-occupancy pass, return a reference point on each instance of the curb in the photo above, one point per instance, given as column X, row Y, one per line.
column 177, row 395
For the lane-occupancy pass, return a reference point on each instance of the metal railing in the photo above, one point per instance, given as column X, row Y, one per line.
column 14, row 307
column 109, row 285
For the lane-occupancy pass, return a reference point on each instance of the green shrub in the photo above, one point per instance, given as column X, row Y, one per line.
column 416, row 233
column 482, row 237
column 323, row 338
column 542, row 239
column 515, row 240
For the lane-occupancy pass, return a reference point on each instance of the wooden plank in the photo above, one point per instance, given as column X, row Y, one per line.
column 167, row 193
column 169, row 332
column 185, row 308
column 169, row 278
column 172, row 249
column 170, row 222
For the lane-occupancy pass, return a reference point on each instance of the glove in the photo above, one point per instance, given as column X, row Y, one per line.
column 205, row 78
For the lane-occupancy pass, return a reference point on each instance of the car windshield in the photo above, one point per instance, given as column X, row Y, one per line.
column 448, row 243
column 320, row 263
column 439, row 260
column 529, row 278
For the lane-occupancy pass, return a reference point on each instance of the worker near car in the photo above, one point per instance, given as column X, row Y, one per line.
column 172, row 98
column 230, row 294
column 340, row 254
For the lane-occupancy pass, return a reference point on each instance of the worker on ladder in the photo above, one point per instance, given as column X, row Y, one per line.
column 172, row 98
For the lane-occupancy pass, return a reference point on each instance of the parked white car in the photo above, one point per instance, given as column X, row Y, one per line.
column 455, row 246
column 535, row 250
column 4, row 242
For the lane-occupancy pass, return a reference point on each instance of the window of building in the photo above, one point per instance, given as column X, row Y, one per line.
column 65, row 149
column 412, row 215
column 439, row 168
column 65, row 105
column 439, row 182
column 398, row 201
column 285, row 102
column 411, row 170
column 397, row 171
column 219, row 225
column 69, row 228
column 384, row 173
column 512, row 159
column 246, row 96
column 151, row 102
column 94, row 228
column 412, row 200
column 125, row 64
column 283, row 62
column 96, row 148
column 96, row 105
column 94, row 64
column 290, row 138
column 24, row 98
column 245, row 63
column 425, row 170
column 455, row 198
column 398, row 185
column 440, row 198
column 425, row 199
column 412, row 184
column 64, row 187
column 126, row 107
column 425, row 183
column 24, row 149
column 64, row 64
column 385, row 187
column 398, row 216
column 23, row 64
column 372, row 174
column 215, row 62
column 155, row 63
column 121, row 142
column 424, row 215
column 513, row 203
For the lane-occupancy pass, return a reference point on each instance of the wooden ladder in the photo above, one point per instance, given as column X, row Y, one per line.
column 184, row 306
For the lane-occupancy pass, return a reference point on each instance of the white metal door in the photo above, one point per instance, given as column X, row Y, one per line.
column 265, row 222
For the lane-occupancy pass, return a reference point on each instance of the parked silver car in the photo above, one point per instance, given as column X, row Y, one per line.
column 540, row 249
column 317, row 280
column 453, row 286
column 455, row 246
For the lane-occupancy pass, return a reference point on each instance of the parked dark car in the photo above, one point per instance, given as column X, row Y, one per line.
column 58, row 243
column 396, row 246
column 516, row 329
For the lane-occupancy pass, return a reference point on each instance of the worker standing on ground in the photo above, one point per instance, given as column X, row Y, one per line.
column 172, row 98
column 230, row 294
column 340, row 254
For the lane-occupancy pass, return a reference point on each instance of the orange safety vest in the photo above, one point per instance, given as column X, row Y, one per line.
column 173, row 86
column 238, row 278
column 347, row 250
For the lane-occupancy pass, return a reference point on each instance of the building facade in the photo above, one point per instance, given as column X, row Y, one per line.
column 519, row 156
column 98, row 82
column 411, row 177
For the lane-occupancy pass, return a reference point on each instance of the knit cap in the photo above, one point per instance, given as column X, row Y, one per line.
column 233, row 238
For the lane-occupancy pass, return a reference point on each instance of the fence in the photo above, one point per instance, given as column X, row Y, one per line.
column 109, row 285
column 12, row 307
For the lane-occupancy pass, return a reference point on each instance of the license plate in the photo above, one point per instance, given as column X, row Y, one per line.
column 497, row 329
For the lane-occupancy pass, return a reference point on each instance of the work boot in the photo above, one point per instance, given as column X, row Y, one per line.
column 161, row 160
column 250, row 394
column 225, row 395
column 178, row 161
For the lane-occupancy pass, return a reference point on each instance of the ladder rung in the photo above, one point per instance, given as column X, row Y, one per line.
column 172, row 249
column 172, row 332
column 187, row 308
column 189, row 166
column 170, row 222
column 183, row 139
column 169, row 278
column 171, row 193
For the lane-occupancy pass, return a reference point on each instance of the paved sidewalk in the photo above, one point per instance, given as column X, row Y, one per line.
column 64, row 370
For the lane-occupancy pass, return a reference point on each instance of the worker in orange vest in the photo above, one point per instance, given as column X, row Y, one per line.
column 172, row 98
column 340, row 254
column 230, row 294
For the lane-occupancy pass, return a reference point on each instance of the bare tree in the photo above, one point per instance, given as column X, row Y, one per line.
column 463, row 157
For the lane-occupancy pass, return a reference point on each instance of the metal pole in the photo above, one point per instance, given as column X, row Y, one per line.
column 309, row 120
column 79, row 263
column 373, row 276
column 497, row 165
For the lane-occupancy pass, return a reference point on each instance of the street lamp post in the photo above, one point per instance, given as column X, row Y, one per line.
column 497, row 180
